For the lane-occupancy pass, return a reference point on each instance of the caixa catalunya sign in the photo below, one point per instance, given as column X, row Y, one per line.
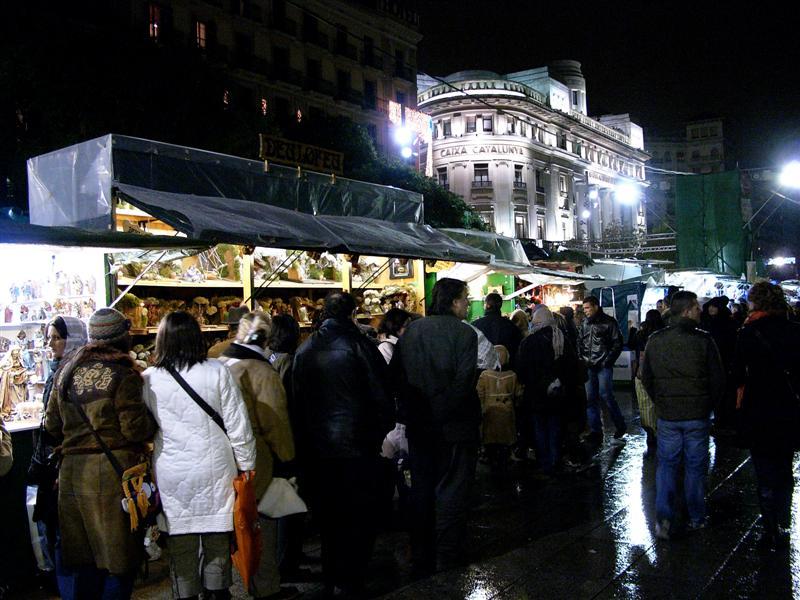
column 296, row 154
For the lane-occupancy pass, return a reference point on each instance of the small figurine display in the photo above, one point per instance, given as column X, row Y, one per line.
column 13, row 382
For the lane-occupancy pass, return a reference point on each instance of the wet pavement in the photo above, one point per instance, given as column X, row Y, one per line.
column 588, row 535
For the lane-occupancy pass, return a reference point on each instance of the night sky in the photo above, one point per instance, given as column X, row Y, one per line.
column 664, row 63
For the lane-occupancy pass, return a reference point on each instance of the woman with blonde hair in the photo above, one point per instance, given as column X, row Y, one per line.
column 265, row 399
column 520, row 318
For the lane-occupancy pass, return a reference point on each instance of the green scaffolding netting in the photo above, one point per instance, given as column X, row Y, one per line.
column 709, row 223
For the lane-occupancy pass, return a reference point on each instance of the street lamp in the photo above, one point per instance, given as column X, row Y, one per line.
column 790, row 175
column 405, row 152
column 627, row 193
column 586, row 214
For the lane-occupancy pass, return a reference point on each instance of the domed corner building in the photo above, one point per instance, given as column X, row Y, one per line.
column 522, row 151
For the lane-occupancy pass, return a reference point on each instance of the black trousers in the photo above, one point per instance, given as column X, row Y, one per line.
column 775, row 485
column 345, row 497
column 442, row 474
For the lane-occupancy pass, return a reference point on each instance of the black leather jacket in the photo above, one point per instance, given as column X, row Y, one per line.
column 340, row 395
column 599, row 341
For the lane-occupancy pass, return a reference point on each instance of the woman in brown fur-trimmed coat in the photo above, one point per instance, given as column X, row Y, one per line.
column 96, row 541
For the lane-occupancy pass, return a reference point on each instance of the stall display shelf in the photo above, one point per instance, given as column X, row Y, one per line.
column 17, row 325
column 134, row 212
column 175, row 283
column 306, row 283
column 152, row 330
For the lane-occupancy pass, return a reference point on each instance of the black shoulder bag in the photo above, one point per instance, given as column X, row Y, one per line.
column 196, row 397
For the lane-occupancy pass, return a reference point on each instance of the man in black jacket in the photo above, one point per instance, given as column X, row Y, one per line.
column 683, row 374
column 497, row 329
column 345, row 411
column 438, row 355
column 599, row 346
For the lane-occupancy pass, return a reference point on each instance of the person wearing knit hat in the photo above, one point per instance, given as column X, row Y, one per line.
column 109, row 326
column 97, row 546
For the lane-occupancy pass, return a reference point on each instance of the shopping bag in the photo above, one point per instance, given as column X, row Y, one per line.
column 281, row 499
column 247, row 551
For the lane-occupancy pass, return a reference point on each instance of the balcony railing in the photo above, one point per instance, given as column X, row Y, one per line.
column 520, row 185
column 285, row 25
column 481, row 183
column 316, row 84
column 369, row 59
column 347, row 50
column 349, row 95
column 316, row 38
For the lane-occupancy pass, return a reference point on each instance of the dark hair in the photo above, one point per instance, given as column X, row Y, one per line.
column 493, row 301
column 591, row 300
column 568, row 312
column 179, row 341
column 393, row 321
column 444, row 293
column 60, row 326
column 339, row 305
column 681, row 301
column 768, row 297
column 285, row 334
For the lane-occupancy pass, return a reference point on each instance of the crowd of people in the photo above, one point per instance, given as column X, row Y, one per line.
column 410, row 411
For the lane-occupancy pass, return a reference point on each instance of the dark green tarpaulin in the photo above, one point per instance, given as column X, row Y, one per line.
column 709, row 223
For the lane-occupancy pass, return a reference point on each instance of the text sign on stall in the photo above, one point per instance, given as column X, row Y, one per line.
column 297, row 154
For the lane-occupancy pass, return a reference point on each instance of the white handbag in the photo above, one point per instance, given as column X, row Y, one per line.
column 281, row 499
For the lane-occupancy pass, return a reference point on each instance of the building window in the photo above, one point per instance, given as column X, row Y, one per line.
column 540, row 135
column 372, row 130
column 343, row 81
column 695, row 155
column 471, row 124
column 226, row 98
column 446, row 130
column 154, row 11
column 487, row 123
column 401, row 98
column 540, row 227
column 667, row 156
column 680, row 156
column 574, row 97
column 200, row 35
column 441, row 176
column 520, row 225
column 523, row 128
column 518, row 174
column 563, row 230
column 511, row 125
column 487, row 214
column 298, row 115
column 562, row 141
column 562, row 184
column 712, row 131
column 370, row 94
column 481, row 173
column 715, row 152
column 539, row 180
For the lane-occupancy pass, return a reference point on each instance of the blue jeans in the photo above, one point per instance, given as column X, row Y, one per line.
column 548, row 440
column 601, row 385
column 79, row 583
column 687, row 440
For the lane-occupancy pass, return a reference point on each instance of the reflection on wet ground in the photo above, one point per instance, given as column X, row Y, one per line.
column 589, row 535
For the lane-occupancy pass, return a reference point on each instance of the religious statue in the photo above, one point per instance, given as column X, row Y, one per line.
column 13, row 382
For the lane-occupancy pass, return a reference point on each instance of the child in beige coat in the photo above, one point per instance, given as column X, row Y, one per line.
column 498, row 392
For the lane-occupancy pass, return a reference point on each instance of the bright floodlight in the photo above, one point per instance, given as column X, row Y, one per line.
column 627, row 193
column 405, row 152
column 586, row 214
column 790, row 175
column 402, row 135
column 593, row 194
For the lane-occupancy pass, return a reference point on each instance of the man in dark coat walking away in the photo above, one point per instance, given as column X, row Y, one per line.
column 344, row 412
column 766, row 374
column 599, row 346
column 497, row 329
column 439, row 398
column 683, row 374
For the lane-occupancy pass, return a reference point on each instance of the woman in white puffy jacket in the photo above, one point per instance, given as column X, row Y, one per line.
column 195, row 462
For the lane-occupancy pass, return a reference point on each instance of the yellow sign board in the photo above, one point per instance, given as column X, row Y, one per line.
column 296, row 154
